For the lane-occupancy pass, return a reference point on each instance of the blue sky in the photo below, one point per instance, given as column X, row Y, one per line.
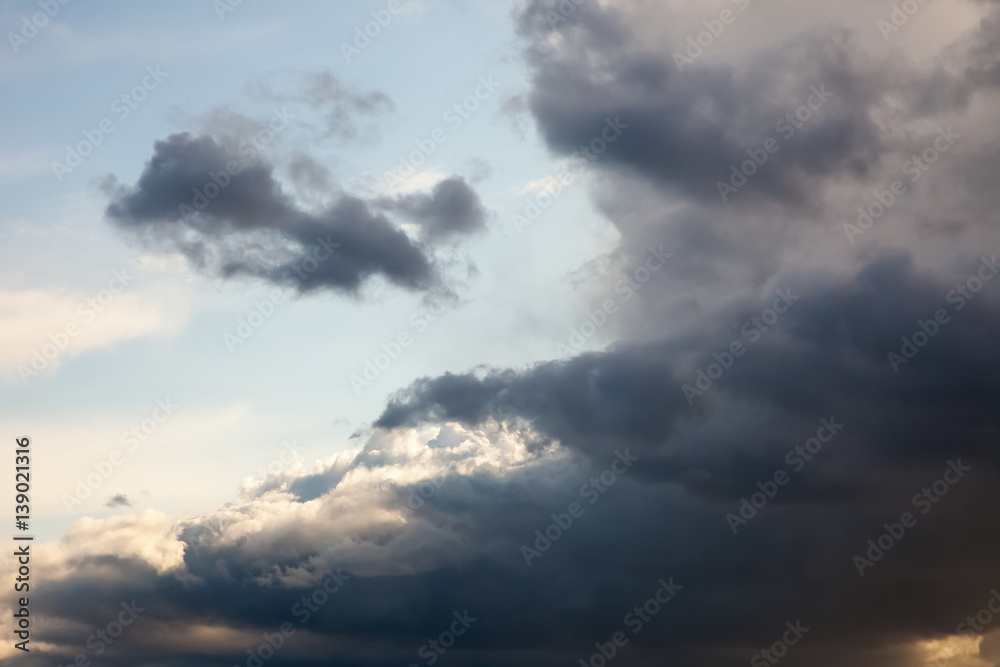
column 291, row 381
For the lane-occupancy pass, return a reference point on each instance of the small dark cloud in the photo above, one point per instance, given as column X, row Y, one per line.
column 119, row 500
column 239, row 222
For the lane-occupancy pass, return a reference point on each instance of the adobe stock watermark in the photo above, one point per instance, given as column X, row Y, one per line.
column 697, row 44
column 753, row 329
column 131, row 439
column 30, row 25
column 976, row 624
column 122, row 106
column 628, row 287
column 310, row 604
column 104, row 637
column 381, row 19
column 248, row 150
column 59, row 341
column 264, row 309
column 924, row 500
column 455, row 116
column 223, row 7
column 562, row 12
column 915, row 167
column 797, row 458
column 973, row 626
column 635, row 620
column 928, row 329
column 787, row 125
column 900, row 16
column 592, row 489
column 779, row 649
column 556, row 185
column 420, row 321
column 302, row 610
column 425, row 491
column 247, row 326
column 432, row 651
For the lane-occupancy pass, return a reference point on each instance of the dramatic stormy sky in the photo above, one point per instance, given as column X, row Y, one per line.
column 534, row 332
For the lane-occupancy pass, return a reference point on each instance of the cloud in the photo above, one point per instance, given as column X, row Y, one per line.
column 685, row 129
column 39, row 329
column 19, row 165
column 431, row 514
column 431, row 519
column 214, row 196
column 345, row 112
column 450, row 209
column 251, row 228
column 341, row 105
column 118, row 500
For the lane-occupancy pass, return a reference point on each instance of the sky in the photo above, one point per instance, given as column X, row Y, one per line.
column 531, row 332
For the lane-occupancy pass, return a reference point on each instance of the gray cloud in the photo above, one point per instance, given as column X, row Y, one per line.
column 119, row 500
column 251, row 227
column 346, row 114
column 450, row 209
column 505, row 449
column 341, row 105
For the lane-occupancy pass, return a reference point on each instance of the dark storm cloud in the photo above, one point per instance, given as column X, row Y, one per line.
column 450, row 209
column 459, row 546
column 251, row 228
column 658, row 183
column 827, row 359
column 687, row 129
column 828, row 351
